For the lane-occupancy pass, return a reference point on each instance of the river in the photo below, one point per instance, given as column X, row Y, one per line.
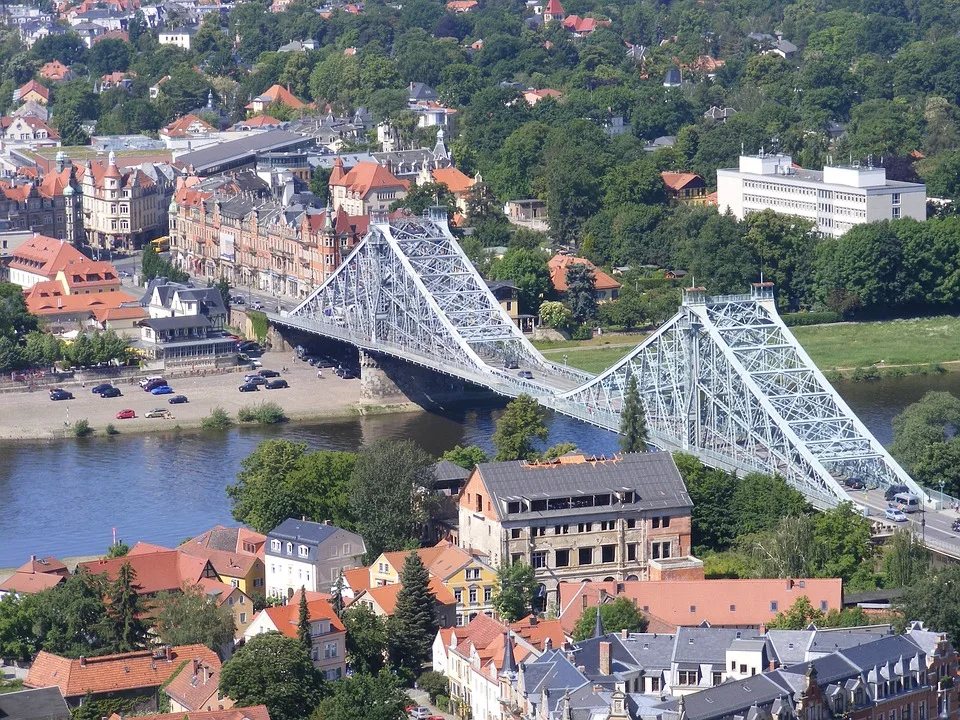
column 65, row 497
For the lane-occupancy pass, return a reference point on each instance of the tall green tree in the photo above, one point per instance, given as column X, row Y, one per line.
column 633, row 422
column 798, row 616
column 935, row 600
column 125, row 627
column 261, row 497
column 388, row 494
column 905, row 560
column 276, row 671
column 303, row 621
column 522, row 421
column 621, row 614
column 925, row 439
column 527, row 269
column 466, row 457
column 365, row 697
column 191, row 617
column 581, row 292
column 366, row 639
column 514, row 593
column 413, row 626
column 336, row 602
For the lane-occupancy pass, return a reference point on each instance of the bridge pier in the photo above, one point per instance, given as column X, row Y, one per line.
column 389, row 381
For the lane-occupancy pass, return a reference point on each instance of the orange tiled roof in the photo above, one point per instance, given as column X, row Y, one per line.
column 558, row 265
column 194, row 685
column 286, row 617
column 537, row 631
column 55, row 71
column 455, row 180
column 678, row 181
column 51, row 303
column 554, row 7
column 366, row 176
column 104, row 315
column 224, row 548
column 30, row 582
column 44, row 255
column 156, row 571
column 358, row 579
column 581, row 25
column 34, row 86
column 671, row 600
column 255, row 712
column 48, row 565
column 279, row 94
column 112, row 673
column 260, row 121
column 181, row 127
column 386, row 595
column 54, row 183
column 462, row 5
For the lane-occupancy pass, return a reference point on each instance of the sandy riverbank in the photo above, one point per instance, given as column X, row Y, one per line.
column 31, row 416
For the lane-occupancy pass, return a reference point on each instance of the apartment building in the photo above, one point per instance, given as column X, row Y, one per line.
column 366, row 188
column 52, row 207
column 578, row 517
column 834, row 199
column 311, row 555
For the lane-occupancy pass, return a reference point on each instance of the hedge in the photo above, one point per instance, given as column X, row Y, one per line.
column 811, row 318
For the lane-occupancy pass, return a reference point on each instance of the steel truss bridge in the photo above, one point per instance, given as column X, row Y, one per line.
column 724, row 379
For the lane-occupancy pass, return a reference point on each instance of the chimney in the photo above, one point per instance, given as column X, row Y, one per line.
column 196, row 666
column 604, row 658
column 168, row 653
column 533, row 620
column 624, row 634
column 206, row 674
column 33, row 558
column 83, row 661
column 762, row 629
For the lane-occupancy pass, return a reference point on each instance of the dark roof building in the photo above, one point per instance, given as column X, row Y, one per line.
column 242, row 153
column 40, row 704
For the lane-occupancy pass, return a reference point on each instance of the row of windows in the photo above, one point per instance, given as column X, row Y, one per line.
column 589, row 556
column 473, row 595
column 779, row 187
column 779, row 202
column 603, row 525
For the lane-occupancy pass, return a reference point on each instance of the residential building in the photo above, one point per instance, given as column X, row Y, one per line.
column 300, row 553
column 456, row 182
column 35, row 576
column 737, row 603
column 37, row 704
column 383, row 601
column 188, row 126
column 462, row 6
column 52, row 208
column 79, row 293
column 180, row 37
column 605, row 287
column 239, row 603
column 685, row 188
column 41, row 259
column 112, row 80
column 299, row 46
column 236, row 553
column 532, row 97
column 553, row 12
column 32, row 91
column 56, row 71
column 31, row 130
column 834, row 199
column 125, row 210
column 195, row 687
column 774, row 45
column 185, row 327
column 137, row 675
column 531, row 214
column 506, row 294
column 636, row 510
column 719, row 114
column 327, row 634
column 367, row 188
column 275, row 95
column 255, row 712
column 158, row 569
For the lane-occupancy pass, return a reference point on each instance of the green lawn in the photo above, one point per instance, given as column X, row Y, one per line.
column 592, row 360
column 894, row 342
column 605, row 339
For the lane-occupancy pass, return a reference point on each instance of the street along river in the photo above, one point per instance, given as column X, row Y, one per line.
column 64, row 497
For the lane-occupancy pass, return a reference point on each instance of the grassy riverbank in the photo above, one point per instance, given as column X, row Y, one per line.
column 843, row 346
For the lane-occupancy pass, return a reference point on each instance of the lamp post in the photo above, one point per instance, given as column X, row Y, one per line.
column 564, row 359
column 942, row 483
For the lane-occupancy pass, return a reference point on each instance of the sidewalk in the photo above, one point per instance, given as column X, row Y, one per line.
column 419, row 697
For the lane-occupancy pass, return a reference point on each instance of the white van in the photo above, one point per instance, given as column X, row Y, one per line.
column 146, row 381
column 908, row 502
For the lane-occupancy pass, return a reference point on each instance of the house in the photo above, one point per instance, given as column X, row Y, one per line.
column 719, row 114
column 236, row 553
column 195, row 688
column 298, row 46
column 462, row 6
column 258, row 122
column 432, row 114
column 532, row 97
column 123, row 80
column 187, row 126
column 456, row 181
column 635, row 510
column 35, row 576
column 774, row 45
column 128, row 675
column 300, row 553
column 606, row 288
column 367, row 188
column 531, row 214
column 418, row 92
column 37, row 704
column 553, row 12
column 155, row 88
column 32, row 130
column 383, row 601
column 672, row 78
column 685, row 188
column 275, row 95
column 582, row 27
column 158, row 570
column 40, row 259
column 237, row 602
column 747, row 603
column 56, row 71
column 32, row 92
column 180, row 37
column 327, row 634
column 255, row 712
column 52, row 207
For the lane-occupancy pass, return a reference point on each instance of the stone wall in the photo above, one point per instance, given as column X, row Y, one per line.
column 386, row 381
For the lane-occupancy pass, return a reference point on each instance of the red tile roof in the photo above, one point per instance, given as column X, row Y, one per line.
column 279, row 94
column 256, row 712
column 537, row 631
column 225, row 549
column 286, row 617
column 259, row 121
column 678, row 181
column 42, row 255
column 194, row 685
column 120, row 313
column 554, row 7
column 44, row 565
column 112, row 673
column 366, row 176
column 156, row 571
column 29, row 583
column 358, row 579
column 454, row 179
column 186, row 126
column 583, row 26
column 34, row 86
column 45, row 302
column 386, row 595
column 558, row 265
column 55, row 71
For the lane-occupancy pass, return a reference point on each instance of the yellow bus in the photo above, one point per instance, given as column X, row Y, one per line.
column 160, row 244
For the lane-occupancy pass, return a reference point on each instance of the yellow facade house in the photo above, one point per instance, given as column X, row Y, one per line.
column 236, row 553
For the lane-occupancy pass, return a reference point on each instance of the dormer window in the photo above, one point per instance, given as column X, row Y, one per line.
column 275, row 545
column 303, row 551
column 289, row 548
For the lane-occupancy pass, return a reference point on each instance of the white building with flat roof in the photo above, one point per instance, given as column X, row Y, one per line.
column 835, row 199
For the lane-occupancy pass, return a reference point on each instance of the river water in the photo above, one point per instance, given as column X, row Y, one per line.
column 65, row 497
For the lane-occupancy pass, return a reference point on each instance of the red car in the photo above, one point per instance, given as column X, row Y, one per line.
column 126, row 414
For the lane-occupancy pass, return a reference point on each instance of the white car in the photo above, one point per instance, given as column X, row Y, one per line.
column 256, row 305
column 895, row 515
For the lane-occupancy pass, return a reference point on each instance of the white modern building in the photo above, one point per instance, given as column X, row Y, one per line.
column 300, row 553
column 835, row 199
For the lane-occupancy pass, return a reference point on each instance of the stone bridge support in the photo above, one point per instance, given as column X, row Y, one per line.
column 389, row 381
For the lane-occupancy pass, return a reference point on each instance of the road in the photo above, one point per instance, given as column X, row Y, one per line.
column 933, row 525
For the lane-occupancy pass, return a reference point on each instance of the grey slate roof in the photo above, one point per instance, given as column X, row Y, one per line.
column 177, row 323
column 446, row 470
column 652, row 476
column 238, row 150
column 305, row 532
column 652, row 651
column 39, row 704
column 699, row 646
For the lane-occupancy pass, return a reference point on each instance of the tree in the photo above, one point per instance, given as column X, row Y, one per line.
column 124, row 628
column 223, row 287
column 18, row 642
column 109, row 56
column 321, row 483
column 366, row 639
column 275, row 671
column 527, row 269
column 69, row 619
column 118, row 549
column 925, row 439
column 798, row 616
column 191, row 617
column 258, row 499
column 554, row 314
column 935, row 601
column 365, row 697
column 466, row 457
column 15, row 319
column 520, row 422
column 905, row 560
column 633, row 423
column 336, row 602
column 434, row 684
column 421, row 197
column 413, row 625
column 303, row 622
column 621, row 614
column 514, row 593
column 388, row 494
column 581, row 292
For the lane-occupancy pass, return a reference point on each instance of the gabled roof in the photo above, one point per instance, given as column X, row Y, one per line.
column 259, row 121
column 366, row 176
column 44, row 255
column 303, row 531
column 286, row 618
column 554, row 7
column 678, row 181
column 386, row 595
column 278, row 94
column 558, row 265
column 34, row 86
column 195, row 683
column 358, row 579
column 112, row 673
column 537, row 631
column 186, row 126
column 44, row 565
column 455, row 180
column 225, row 548
column 37, row 704
column 255, row 712
column 156, row 571
column 29, row 583
column 54, row 303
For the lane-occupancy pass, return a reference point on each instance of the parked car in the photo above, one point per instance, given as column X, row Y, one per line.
column 269, row 373
column 154, row 379
column 158, row 413
column 277, row 384
column 178, row 400
column 111, row 392
column 162, row 390
column 249, row 387
column 419, row 713
column 101, row 388
column 249, row 346
column 854, row 484
column 895, row 515
column 255, row 380
column 154, row 383
column 238, row 300
column 345, row 373
column 126, row 414
column 235, row 338
column 956, row 525
column 58, row 394
column 893, row 490
column 525, row 374
column 123, row 273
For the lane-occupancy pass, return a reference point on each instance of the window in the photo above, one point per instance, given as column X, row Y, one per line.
column 289, row 548
column 895, row 198
column 687, row 677
column 608, row 553
column 346, row 548
column 515, row 533
column 458, row 595
column 539, row 560
column 608, row 524
column 235, row 582
column 473, row 573
column 538, row 531
column 666, row 521
column 660, row 550
column 823, row 605
column 585, row 527
column 585, row 556
column 479, row 503
column 258, row 582
column 655, row 523
column 333, row 674
column 717, row 678
column 773, row 606
column 896, row 213
column 743, row 669
column 303, row 551
column 243, row 617
column 632, row 551
column 473, row 595
column 230, row 601
column 487, row 594
column 514, row 558
column 921, row 710
column 243, row 600
column 655, row 683
column 562, row 558
column 733, row 666
column 331, row 650
column 275, row 545
column 631, row 524
column 561, row 529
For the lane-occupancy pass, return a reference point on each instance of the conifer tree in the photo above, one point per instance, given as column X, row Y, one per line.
column 414, row 625
column 303, row 623
column 633, row 423
column 337, row 601
column 125, row 629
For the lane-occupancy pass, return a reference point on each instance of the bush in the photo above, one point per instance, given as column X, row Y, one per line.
column 81, row 428
column 258, row 321
column 111, row 429
column 218, row 419
column 266, row 413
column 810, row 318
column 833, row 375
column 861, row 374
column 434, row 684
column 582, row 332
